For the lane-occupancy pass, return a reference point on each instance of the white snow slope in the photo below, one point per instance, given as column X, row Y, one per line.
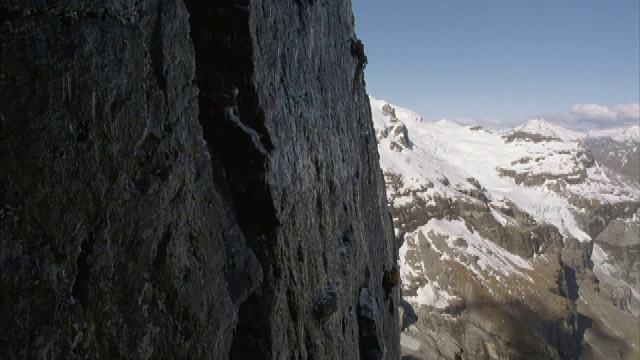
column 618, row 134
column 545, row 128
column 446, row 149
column 542, row 127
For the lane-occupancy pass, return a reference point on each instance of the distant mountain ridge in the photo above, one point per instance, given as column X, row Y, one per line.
column 618, row 134
column 510, row 238
column 546, row 128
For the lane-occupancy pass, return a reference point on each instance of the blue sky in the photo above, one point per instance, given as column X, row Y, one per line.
column 505, row 61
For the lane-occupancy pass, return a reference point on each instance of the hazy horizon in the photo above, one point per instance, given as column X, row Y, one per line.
column 501, row 63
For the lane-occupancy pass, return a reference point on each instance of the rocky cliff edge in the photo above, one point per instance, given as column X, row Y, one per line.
column 194, row 179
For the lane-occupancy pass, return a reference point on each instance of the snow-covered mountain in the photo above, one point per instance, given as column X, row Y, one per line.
column 618, row 134
column 511, row 240
column 549, row 130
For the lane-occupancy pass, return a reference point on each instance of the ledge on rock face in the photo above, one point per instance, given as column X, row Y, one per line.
column 370, row 345
column 526, row 136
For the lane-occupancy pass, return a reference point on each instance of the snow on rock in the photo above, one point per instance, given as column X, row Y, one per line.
column 600, row 262
column 431, row 294
column 409, row 342
column 448, row 176
column 547, row 129
column 447, row 150
column 618, row 134
column 610, row 274
column 404, row 115
column 486, row 254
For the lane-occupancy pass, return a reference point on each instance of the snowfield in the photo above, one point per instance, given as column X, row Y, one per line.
column 460, row 196
column 488, row 256
column 447, row 160
column 444, row 149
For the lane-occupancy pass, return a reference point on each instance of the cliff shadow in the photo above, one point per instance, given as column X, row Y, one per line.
column 239, row 144
column 409, row 316
column 572, row 283
column 527, row 326
column 584, row 323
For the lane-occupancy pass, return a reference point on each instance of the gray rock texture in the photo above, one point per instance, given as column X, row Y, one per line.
column 620, row 240
column 620, row 156
column 184, row 180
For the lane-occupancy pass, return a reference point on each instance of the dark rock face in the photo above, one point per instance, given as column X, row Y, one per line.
column 526, row 136
column 167, row 197
column 326, row 304
column 621, row 241
column 621, row 156
column 598, row 216
column 367, row 317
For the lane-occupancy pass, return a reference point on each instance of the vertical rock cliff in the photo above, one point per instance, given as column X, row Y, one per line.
column 193, row 179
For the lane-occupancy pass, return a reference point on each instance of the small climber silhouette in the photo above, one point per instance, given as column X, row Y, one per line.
column 390, row 279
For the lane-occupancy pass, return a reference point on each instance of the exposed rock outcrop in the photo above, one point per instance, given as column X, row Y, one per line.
column 618, row 246
column 396, row 132
column 183, row 180
column 620, row 156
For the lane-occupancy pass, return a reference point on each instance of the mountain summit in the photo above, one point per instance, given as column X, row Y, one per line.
column 547, row 129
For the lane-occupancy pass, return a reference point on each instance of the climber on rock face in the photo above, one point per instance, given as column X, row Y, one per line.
column 390, row 279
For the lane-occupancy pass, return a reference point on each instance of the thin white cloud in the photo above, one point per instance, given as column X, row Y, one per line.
column 582, row 117
column 593, row 111
column 628, row 111
column 586, row 117
column 493, row 124
column 602, row 112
